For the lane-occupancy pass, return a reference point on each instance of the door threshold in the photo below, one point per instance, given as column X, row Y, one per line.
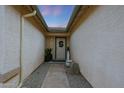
column 58, row 62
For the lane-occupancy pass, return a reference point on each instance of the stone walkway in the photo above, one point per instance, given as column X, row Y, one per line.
column 54, row 76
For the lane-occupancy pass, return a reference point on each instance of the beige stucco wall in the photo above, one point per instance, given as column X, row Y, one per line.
column 33, row 49
column 33, row 45
column 98, row 46
column 1, row 40
column 68, row 42
column 10, row 42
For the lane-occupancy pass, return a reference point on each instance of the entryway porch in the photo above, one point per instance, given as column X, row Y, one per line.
column 54, row 75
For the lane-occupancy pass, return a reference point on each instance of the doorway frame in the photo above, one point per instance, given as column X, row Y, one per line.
column 56, row 48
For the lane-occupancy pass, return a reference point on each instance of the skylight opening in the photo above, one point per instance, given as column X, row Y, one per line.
column 56, row 16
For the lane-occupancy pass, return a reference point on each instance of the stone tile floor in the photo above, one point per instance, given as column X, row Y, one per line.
column 54, row 75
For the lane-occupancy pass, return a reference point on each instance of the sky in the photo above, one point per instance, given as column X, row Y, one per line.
column 56, row 15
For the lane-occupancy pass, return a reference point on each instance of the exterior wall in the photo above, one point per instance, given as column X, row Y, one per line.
column 98, row 46
column 1, row 40
column 1, row 37
column 10, row 45
column 68, row 41
column 33, row 49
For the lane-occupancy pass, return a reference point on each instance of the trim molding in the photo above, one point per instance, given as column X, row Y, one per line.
column 83, row 14
column 9, row 75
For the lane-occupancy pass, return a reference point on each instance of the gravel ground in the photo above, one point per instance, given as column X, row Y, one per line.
column 77, row 81
column 36, row 79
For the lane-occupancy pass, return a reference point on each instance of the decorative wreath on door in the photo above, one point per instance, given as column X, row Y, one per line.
column 61, row 43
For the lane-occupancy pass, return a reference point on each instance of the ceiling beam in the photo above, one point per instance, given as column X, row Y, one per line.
column 63, row 34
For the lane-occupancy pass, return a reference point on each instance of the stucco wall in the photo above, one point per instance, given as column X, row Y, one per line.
column 10, row 42
column 98, row 46
column 33, row 49
column 1, row 38
column 1, row 41
column 33, row 45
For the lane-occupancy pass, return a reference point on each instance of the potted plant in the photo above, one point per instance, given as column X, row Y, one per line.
column 48, row 54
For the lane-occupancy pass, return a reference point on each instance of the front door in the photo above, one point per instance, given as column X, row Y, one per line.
column 60, row 48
